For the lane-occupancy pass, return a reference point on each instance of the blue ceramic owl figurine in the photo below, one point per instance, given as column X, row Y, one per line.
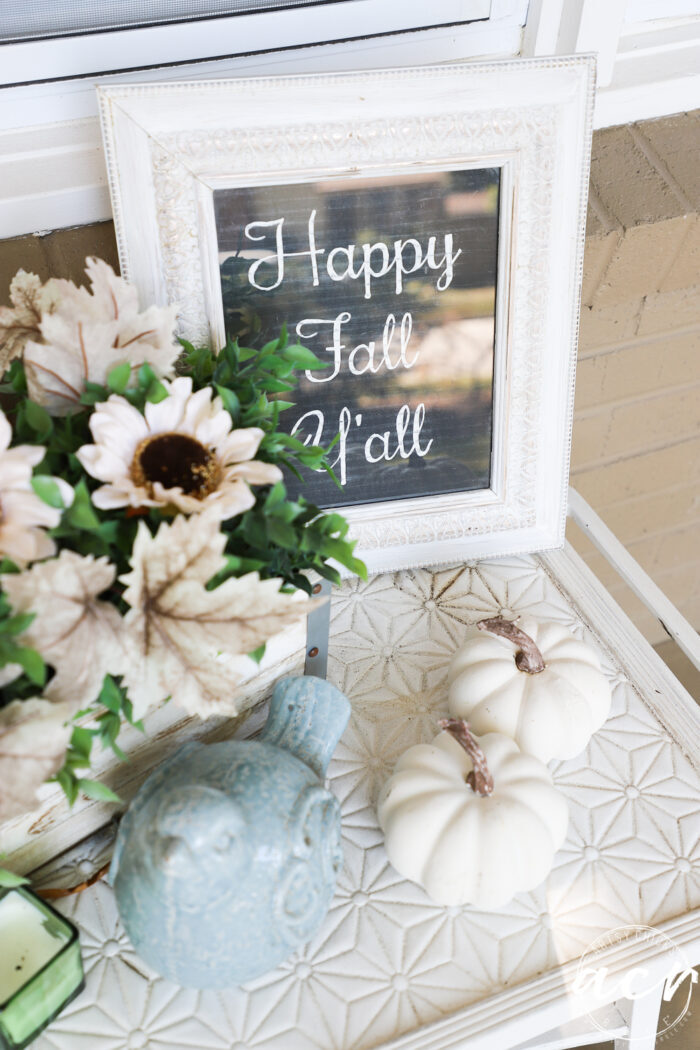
column 227, row 858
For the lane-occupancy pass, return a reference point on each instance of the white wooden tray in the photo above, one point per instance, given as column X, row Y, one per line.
column 389, row 968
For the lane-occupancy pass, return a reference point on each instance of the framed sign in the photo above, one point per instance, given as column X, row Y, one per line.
column 368, row 273
column 421, row 231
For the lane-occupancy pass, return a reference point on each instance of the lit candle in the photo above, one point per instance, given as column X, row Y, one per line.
column 40, row 966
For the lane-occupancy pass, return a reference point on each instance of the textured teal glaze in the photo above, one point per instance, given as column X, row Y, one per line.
column 226, row 860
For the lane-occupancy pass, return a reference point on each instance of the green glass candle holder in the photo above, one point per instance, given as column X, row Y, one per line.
column 41, row 969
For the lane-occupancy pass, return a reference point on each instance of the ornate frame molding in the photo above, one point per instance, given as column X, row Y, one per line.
column 169, row 146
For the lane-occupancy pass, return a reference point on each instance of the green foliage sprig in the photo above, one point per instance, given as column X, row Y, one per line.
column 11, row 652
column 109, row 712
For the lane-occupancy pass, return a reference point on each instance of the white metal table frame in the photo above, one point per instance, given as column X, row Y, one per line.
column 639, row 1016
column 675, row 625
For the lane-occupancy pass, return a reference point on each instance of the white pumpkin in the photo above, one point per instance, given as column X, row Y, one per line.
column 535, row 682
column 464, row 846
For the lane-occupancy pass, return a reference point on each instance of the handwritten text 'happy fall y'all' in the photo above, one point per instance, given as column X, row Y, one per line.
column 368, row 262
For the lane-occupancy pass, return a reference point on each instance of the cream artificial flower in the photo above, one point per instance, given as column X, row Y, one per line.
column 181, row 452
column 23, row 515
column 31, row 300
column 185, row 641
column 34, row 737
column 87, row 334
column 79, row 635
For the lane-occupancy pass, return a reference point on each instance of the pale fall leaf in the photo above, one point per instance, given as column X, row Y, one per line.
column 109, row 297
column 23, row 514
column 20, row 322
column 184, row 641
column 33, row 742
column 89, row 333
column 80, row 636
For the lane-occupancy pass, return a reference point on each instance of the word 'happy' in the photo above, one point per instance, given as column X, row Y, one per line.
column 366, row 262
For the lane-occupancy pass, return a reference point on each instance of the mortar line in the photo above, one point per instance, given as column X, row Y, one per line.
column 657, row 575
column 657, row 535
column 641, row 306
column 605, row 217
column 648, row 450
column 591, row 556
column 640, row 340
column 635, row 399
column 670, row 490
column 613, row 224
column 674, row 257
column 604, row 265
column 646, row 546
column 642, row 143
column 649, row 556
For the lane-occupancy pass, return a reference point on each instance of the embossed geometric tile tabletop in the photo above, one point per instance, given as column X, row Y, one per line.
column 386, row 959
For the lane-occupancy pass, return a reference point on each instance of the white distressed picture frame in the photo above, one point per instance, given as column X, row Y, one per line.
column 169, row 146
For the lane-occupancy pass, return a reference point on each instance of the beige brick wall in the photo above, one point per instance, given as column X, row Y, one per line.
column 636, row 447
column 636, row 451
column 58, row 254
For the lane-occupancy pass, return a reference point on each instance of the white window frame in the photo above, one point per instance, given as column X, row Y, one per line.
column 645, row 69
column 99, row 52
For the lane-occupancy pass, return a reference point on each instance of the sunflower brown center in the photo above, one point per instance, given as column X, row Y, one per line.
column 176, row 461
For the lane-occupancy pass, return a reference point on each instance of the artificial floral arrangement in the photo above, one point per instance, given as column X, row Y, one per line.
column 148, row 544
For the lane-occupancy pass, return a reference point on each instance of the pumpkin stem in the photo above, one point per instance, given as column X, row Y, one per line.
column 528, row 658
column 479, row 779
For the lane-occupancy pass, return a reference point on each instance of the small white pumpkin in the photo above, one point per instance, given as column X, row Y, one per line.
column 473, row 821
column 535, row 682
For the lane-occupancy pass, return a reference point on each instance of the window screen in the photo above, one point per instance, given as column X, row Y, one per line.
column 32, row 19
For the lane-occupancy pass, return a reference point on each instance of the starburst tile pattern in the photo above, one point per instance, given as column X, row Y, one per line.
column 386, row 959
